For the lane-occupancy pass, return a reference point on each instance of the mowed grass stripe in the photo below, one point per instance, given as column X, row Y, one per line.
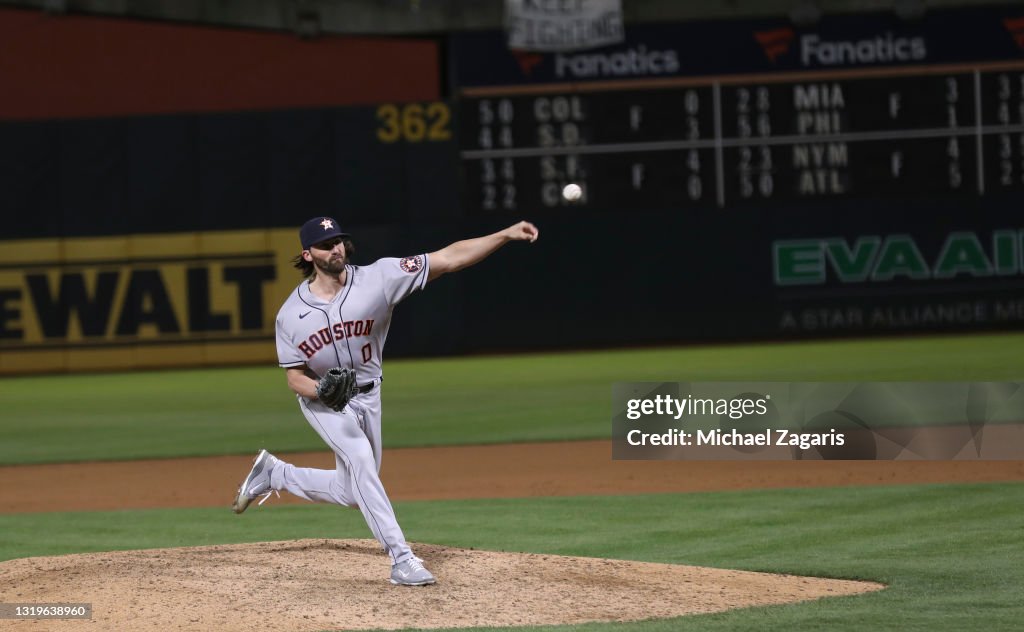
column 453, row 401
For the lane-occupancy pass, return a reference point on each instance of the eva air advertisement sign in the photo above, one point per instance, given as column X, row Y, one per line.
column 880, row 258
column 880, row 282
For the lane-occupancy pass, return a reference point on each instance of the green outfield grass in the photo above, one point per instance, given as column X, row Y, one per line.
column 952, row 555
column 535, row 397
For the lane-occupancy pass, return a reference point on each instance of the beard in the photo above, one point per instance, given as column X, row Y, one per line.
column 328, row 265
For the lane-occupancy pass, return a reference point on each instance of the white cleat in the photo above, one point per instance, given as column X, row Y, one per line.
column 411, row 573
column 257, row 483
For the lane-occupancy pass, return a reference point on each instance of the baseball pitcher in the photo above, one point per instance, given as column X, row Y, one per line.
column 330, row 338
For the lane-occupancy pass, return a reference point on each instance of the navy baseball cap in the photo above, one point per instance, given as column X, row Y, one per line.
column 319, row 229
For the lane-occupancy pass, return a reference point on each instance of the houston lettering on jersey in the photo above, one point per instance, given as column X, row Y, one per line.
column 340, row 331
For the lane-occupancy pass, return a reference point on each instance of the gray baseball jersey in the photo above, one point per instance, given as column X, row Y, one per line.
column 350, row 329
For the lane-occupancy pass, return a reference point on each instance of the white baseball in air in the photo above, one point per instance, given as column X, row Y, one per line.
column 572, row 192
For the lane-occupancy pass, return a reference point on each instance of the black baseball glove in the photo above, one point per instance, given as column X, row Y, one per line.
column 336, row 387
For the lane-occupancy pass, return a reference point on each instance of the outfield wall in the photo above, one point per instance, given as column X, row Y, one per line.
column 138, row 236
column 210, row 298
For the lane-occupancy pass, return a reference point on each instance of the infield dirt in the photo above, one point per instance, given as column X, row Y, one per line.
column 341, row 584
column 494, row 471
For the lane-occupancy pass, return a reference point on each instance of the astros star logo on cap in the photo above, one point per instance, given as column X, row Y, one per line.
column 327, row 224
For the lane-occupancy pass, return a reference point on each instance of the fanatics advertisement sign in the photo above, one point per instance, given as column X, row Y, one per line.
column 542, row 45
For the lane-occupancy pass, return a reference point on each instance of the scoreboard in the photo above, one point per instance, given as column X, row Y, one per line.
column 727, row 141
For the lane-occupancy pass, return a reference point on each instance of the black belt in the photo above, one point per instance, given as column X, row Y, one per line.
column 365, row 388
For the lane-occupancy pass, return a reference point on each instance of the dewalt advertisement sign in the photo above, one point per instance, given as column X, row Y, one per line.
column 141, row 301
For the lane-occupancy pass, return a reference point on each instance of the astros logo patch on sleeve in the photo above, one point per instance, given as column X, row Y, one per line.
column 411, row 264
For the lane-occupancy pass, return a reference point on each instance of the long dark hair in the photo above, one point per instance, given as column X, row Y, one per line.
column 307, row 268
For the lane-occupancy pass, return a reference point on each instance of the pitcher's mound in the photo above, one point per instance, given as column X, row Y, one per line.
column 343, row 585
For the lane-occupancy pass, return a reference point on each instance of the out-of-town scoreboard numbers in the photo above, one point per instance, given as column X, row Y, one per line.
column 728, row 141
